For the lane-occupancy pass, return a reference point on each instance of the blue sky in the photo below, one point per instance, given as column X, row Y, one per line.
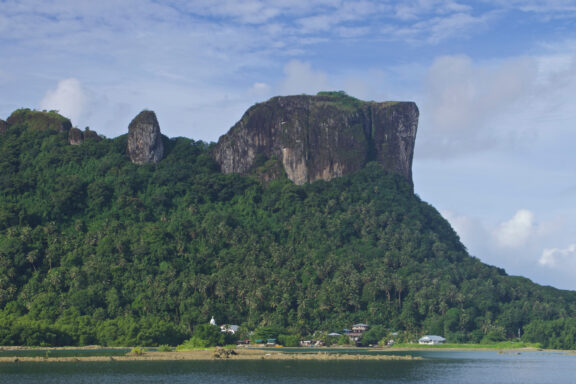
column 495, row 81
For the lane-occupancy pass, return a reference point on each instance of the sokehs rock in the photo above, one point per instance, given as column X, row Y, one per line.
column 320, row 137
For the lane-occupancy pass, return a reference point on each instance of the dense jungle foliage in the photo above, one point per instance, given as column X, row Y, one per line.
column 97, row 250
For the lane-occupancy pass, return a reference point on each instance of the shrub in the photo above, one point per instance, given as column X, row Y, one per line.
column 137, row 351
column 165, row 348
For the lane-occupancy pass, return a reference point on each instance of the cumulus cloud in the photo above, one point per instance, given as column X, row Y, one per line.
column 517, row 245
column 86, row 108
column 555, row 257
column 496, row 242
column 69, row 99
column 517, row 231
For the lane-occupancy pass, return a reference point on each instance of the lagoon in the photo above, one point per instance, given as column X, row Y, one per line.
column 462, row 367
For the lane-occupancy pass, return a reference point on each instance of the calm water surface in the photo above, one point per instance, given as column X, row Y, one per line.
column 436, row 367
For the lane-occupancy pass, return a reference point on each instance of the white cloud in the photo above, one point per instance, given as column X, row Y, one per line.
column 517, row 231
column 485, row 238
column 69, row 99
column 516, row 245
column 562, row 258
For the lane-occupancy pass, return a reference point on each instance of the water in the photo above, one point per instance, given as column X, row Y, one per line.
column 460, row 367
column 65, row 352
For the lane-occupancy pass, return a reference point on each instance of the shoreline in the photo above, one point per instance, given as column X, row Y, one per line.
column 215, row 354
column 246, row 354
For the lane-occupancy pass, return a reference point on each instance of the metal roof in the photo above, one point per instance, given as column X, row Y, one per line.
column 432, row 338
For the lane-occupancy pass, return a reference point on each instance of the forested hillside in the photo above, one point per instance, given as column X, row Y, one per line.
column 97, row 250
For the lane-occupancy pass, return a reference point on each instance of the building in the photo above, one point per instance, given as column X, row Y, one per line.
column 360, row 328
column 431, row 340
column 229, row 328
column 357, row 331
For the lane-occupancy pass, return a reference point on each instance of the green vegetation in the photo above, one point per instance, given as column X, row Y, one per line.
column 205, row 336
column 165, row 348
column 555, row 334
column 137, row 351
column 39, row 121
column 340, row 99
column 97, row 250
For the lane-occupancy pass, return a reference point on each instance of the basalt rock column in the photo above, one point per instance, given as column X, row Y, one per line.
column 144, row 139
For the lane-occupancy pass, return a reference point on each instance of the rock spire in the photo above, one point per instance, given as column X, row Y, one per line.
column 144, row 139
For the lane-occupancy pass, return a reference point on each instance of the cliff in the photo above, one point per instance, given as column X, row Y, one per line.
column 321, row 137
column 144, row 139
column 77, row 137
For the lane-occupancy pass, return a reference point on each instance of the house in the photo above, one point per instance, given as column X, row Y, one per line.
column 229, row 328
column 360, row 328
column 431, row 340
column 357, row 331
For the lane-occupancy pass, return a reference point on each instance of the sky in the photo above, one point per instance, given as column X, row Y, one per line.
column 495, row 82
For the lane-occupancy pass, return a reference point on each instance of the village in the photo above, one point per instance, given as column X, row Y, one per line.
column 351, row 337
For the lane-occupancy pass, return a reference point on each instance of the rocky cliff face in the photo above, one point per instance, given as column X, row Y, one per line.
column 3, row 126
column 144, row 139
column 77, row 137
column 321, row 137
